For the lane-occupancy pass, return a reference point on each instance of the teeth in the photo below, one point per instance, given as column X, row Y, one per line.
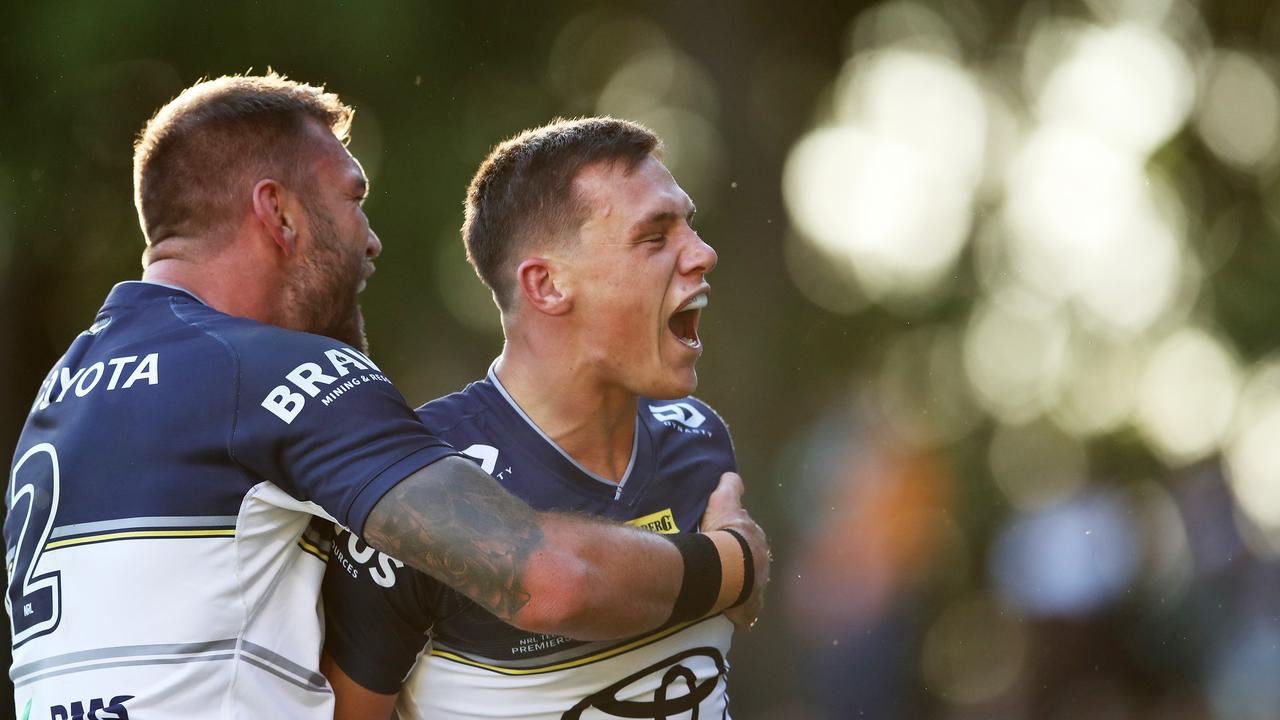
column 689, row 341
column 698, row 302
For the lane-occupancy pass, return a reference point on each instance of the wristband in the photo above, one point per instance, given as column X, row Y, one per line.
column 748, row 570
column 700, row 585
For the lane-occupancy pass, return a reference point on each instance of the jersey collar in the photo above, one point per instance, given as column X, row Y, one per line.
column 638, row 467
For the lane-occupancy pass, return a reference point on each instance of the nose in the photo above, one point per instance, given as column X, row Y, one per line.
column 700, row 258
column 373, row 248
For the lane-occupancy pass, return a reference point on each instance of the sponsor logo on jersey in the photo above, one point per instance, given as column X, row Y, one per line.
column 285, row 403
column 488, row 457
column 120, row 373
column 486, row 454
column 358, row 555
column 98, row 709
column 681, row 417
column 662, row 522
column 676, row 678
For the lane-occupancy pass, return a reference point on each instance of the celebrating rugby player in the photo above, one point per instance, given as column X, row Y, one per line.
column 587, row 244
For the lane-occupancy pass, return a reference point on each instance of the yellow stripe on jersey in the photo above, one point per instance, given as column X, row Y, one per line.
column 578, row 662
column 662, row 522
column 139, row 534
column 312, row 549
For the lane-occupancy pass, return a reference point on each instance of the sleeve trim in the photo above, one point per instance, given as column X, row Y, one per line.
column 381, row 482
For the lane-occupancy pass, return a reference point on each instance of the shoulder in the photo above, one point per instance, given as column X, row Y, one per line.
column 269, row 344
column 270, row 355
column 450, row 411
column 284, row 371
column 686, row 420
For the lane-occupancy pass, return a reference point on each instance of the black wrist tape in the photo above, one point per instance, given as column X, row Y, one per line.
column 748, row 572
column 700, row 585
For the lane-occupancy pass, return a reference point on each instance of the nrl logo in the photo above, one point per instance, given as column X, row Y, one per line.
column 683, row 413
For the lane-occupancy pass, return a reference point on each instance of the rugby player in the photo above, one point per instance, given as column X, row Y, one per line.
column 585, row 240
column 160, row 545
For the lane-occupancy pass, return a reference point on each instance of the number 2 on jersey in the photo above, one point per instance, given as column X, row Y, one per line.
column 34, row 601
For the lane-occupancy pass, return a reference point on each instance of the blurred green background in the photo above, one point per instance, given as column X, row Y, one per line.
column 993, row 322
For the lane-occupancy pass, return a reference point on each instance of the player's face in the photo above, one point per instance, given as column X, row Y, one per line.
column 640, row 272
column 336, row 254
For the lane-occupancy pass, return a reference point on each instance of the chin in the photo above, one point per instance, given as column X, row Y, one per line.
column 675, row 388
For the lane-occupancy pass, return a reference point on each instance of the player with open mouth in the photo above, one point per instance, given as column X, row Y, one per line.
column 586, row 241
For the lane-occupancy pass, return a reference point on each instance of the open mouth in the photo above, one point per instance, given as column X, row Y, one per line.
column 684, row 322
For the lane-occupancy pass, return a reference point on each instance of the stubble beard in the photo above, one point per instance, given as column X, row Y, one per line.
column 324, row 290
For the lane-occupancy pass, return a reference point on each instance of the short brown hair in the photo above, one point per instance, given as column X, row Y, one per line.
column 194, row 157
column 523, row 191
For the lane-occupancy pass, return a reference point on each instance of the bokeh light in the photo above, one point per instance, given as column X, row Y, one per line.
column 1128, row 84
column 1239, row 113
column 1069, row 559
column 1187, row 395
column 673, row 95
column 1253, row 452
column 1100, row 391
column 904, row 24
column 1037, row 465
column 460, row 291
column 923, row 395
column 1083, row 226
column 1242, row 683
column 1167, row 565
column 852, row 187
column 590, row 49
column 974, row 651
column 1015, row 353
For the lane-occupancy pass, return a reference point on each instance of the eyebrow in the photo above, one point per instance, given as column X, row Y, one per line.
column 662, row 217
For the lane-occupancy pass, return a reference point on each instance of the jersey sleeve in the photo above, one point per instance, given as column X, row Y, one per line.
column 726, row 452
column 378, row 614
column 321, row 421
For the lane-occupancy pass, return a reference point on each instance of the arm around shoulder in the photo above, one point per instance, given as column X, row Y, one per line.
column 544, row 572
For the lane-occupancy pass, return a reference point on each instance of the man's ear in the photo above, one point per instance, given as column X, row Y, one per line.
column 543, row 288
column 275, row 212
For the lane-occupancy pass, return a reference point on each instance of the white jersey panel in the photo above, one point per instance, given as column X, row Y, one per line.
column 679, row 677
column 224, row 638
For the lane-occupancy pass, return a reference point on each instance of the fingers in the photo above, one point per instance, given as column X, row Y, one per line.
column 724, row 510
column 730, row 488
column 724, row 507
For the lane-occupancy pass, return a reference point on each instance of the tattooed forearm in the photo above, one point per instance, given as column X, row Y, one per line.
column 455, row 523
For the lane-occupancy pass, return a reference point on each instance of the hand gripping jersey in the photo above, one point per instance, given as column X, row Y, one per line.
column 157, row 540
column 381, row 615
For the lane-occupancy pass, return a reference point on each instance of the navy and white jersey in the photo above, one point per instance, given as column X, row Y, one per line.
column 389, row 624
column 160, row 551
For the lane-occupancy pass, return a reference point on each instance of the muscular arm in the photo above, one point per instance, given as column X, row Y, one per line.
column 543, row 572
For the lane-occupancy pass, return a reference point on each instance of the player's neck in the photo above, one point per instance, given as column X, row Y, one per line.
column 594, row 424
column 221, row 281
